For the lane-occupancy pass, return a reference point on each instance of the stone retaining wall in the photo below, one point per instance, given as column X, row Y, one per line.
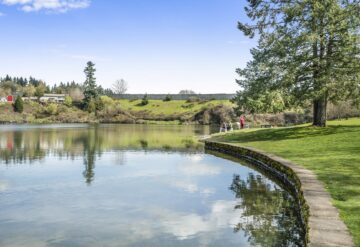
column 320, row 218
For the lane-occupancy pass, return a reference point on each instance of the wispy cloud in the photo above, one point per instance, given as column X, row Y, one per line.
column 2, row 14
column 55, row 6
column 61, row 51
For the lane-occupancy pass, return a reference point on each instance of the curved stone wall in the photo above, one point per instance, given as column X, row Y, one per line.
column 319, row 216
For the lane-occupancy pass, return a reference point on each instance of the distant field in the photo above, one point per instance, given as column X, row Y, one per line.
column 333, row 153
column 170, row 107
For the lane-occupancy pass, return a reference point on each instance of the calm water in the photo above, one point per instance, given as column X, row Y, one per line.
column 127, row 185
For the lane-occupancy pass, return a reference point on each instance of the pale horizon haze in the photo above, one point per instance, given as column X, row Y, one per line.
column 156, row 46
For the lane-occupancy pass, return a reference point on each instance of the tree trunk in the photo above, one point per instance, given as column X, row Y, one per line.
column 319, row 115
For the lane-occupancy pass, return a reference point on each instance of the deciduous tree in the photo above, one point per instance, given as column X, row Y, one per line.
column 120, row 86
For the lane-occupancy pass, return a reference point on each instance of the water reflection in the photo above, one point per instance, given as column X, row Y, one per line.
column 154, row 186
column 269, row 216
column 19, row 145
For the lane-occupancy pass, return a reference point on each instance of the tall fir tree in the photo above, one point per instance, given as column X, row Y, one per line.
column 308, row 51
column 90, row 87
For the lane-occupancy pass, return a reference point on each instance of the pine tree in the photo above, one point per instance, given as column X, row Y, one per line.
column 308, row 51
column 90, row 86
column 18, row 105
column 145, row 100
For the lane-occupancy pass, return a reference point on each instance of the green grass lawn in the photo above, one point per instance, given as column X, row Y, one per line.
column 170, row 107
column 333, row 153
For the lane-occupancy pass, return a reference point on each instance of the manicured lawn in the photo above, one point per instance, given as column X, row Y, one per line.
column 333, row 153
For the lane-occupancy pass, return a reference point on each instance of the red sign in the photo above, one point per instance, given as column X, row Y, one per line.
column 10, row 98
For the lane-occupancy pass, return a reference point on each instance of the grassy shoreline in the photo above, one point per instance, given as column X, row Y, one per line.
column 333, row 153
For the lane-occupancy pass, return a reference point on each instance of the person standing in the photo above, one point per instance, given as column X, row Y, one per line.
column 242, row 122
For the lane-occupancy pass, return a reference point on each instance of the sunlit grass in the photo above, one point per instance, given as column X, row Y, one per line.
column 170, row 107
column 333, row 153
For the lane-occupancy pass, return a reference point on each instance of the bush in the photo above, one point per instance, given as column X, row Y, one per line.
column 63, row 109
column 107, row 100
column 52, row 109
column 99, row 104
column 91, row 106
column 187, row 106
column 145, row 100
column 215, row 115
column 193, row 99
column 167, row 98
column 18, row 105
column 68, row 101
column 342, row 110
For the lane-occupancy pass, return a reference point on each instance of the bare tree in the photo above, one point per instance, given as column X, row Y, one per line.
column 120, row 86
column 187, row 91
column 76, row 94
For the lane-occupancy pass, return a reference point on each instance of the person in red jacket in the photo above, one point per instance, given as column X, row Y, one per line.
column 242, row 122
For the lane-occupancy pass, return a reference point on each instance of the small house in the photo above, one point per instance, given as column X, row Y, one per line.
column 10, row 99
column 55, row 98
column 7, row 99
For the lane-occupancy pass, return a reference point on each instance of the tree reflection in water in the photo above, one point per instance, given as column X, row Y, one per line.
column 268, row 213
column 21, row 145
column 91, row 142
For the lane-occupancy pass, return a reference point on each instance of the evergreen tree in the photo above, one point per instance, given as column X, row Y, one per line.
column 167, row 98
column 145, row 100
column 90, row 86
column 18, row 105
column 308, row 51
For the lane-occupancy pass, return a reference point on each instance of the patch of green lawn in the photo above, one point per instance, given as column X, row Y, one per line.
column 333, row 153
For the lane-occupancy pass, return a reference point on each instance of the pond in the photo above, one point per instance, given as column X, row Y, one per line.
column 134, row 185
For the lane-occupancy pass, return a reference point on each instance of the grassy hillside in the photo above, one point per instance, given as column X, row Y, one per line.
column 113, row 111
column 171, row 107
column 333, row 153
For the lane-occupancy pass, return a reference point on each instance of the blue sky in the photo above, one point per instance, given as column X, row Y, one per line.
column 156, row 46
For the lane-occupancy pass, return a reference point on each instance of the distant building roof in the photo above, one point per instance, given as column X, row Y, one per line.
column 54, row 95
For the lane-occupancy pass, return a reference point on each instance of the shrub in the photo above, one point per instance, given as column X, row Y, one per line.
column 167, row 98
column 63, row 109
column 193, row 99
column 144, row 100
column 107, row 100
column 18, row 105
column 99, row 104
column 68, row 101
column 187, row 106
column 91, row 106
column 52, row 109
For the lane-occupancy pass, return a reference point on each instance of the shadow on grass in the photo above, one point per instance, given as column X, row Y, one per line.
column 287, row 133
column 341, row 186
